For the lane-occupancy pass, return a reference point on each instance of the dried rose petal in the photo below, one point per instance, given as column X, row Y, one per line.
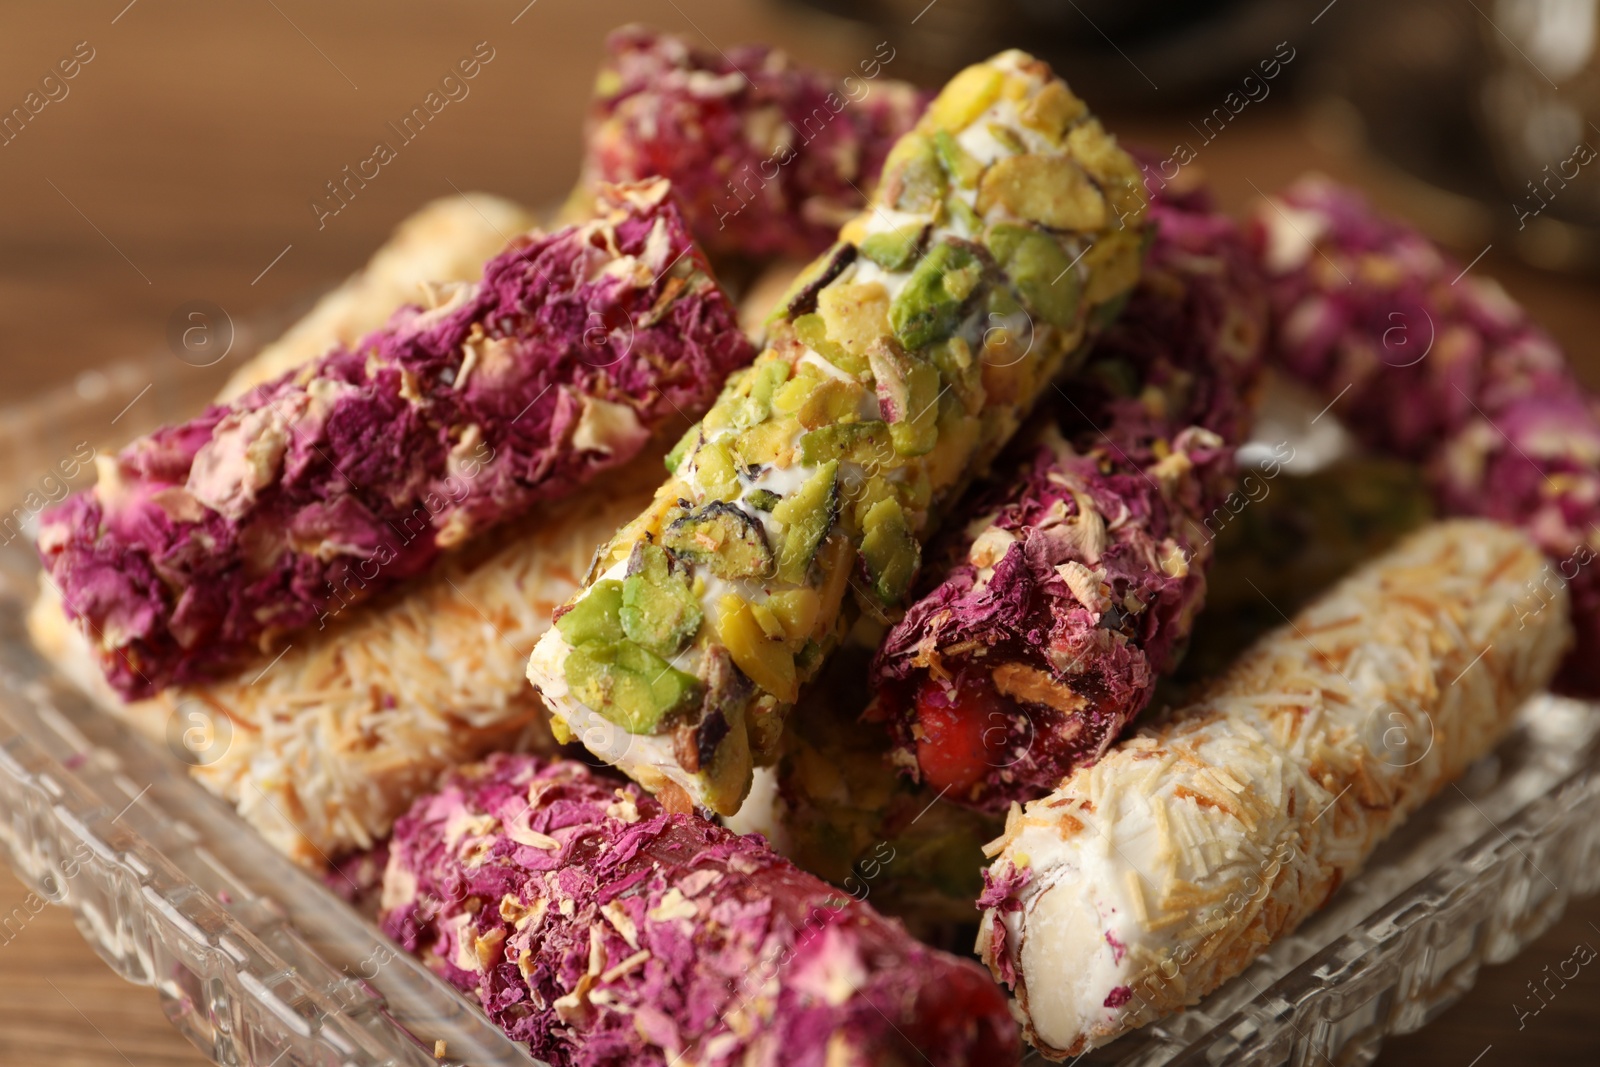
column 601, row 929
column 768, row 158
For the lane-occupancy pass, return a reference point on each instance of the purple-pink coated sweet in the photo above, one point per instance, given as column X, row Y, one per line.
column 1439, row 365
column 767, row 157
column 601, row 929
column 1078, row 583
column 205, row 542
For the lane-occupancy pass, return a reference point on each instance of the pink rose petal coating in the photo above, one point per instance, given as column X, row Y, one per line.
column 603, row 930
column 208, row 540
column 767, row 157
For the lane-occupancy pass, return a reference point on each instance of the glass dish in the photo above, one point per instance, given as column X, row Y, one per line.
column 260, row 965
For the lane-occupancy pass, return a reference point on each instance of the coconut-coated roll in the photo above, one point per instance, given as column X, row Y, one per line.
column 1149, row 878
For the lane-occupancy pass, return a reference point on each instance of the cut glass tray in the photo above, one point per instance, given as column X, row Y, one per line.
column 260, row 965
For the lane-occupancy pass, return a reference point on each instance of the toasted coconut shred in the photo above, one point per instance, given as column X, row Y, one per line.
column 1147, row 879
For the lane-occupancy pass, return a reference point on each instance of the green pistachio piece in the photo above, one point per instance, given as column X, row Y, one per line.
column 1007, row 136
column 715, row 470
column 958, row 163
column 964, row 216
column 966, row 96
column 801, row 299
column 770, row 442
column 597, row 618
column 908, row 389
column 813, row 333
column 913, row 165
column 748, row 403
column 1040, row 269
column 866, row 443
column 892, row 555
column 629, row 685
column 830, row 402
column 686, row 444
column 807, row 515
column 809, row 658
column 894, row 249
column 930, row 306
column 660, row 613
column 762, row 499
column 722, row 537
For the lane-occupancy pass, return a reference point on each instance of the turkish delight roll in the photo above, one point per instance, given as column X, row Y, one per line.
column 600, row 929
column 1150, row 877
column 767, row 158
column 1076, row 583
column 1436, row 363
column 205, row 543
column 1008, row 227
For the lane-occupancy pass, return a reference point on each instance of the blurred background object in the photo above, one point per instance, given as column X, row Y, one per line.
column 1481, row 115
column 1128, row 50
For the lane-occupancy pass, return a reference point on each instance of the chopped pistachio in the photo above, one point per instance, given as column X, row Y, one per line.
column 801, row 299
column 768, row 622
column 807, row 515
column 796, row 610
column 1051, row 190
column 1007, row 137
column 1115, row 171
column 929, row 307
column 722, row 537
column 890, row 551
column 907, row 389
column 966, row 218
column 1113, row 263
column 855, row 315
column 745, row 401
column 813, row 333
column 686, row 444
column 866, row 443
column 762, row 499
column 771, row 442
column 914, row 167
column 1041, row 271
column 962, row 167
column 966, row 97
column 792, row 394
column 596, row 619
column 768, row 663
column 715, row 470
column 832, row 401
column 630, row 686
column 1053, row 110
column 659, row 611
column 894, row 249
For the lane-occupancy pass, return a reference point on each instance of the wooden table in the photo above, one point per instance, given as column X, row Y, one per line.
column 182, row 164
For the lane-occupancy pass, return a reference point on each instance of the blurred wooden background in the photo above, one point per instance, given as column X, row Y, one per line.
column 181, row 165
